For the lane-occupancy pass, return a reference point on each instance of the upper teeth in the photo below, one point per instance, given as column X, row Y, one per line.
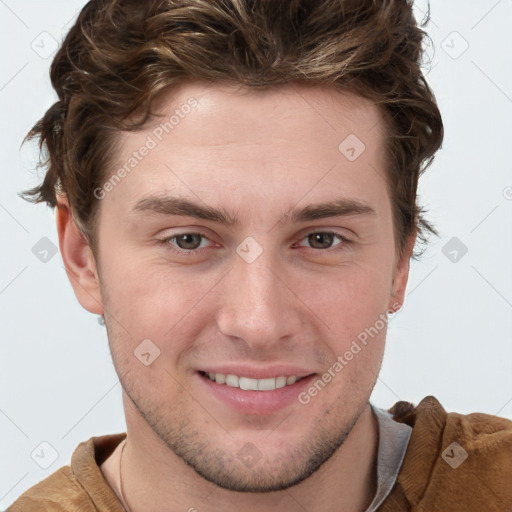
column 252, row 384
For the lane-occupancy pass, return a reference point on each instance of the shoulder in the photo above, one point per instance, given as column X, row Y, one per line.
column 479, row 432
column 81, row 486
column 456, row 462
column 57, row 493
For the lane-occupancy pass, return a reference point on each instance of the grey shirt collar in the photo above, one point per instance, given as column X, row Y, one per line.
column 393, row 441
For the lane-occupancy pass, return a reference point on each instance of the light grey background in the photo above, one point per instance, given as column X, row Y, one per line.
column 451, row 340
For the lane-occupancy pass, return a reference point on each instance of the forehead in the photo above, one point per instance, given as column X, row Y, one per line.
column 262, row 113
column 277, row 144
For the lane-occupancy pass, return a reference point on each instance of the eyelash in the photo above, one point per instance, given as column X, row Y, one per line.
column 344, row 242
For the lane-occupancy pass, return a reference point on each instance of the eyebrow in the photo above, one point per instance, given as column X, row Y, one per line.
column 168, row 205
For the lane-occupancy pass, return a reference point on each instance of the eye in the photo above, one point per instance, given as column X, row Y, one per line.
column 188, row 240
column 186, row 243
column 324, row 240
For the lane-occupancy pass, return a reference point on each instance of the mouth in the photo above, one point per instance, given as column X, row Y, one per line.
column 249, row 384
column 248, row 395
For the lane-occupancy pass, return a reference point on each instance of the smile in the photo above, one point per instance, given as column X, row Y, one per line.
column 248, row 384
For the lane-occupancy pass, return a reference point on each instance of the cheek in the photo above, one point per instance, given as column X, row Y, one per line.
column 353, row 300
column 152, row 299
column 354, row 309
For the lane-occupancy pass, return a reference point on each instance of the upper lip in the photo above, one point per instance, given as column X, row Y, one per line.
column 253, row 372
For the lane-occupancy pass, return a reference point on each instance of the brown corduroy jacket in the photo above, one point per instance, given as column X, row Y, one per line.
column 453, row 463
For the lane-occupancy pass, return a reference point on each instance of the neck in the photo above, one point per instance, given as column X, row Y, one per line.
column 155, row 479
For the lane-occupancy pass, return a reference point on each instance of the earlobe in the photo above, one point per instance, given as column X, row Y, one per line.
column 401, row 276
column 78, row 260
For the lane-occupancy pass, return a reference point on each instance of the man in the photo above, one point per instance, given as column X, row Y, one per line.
column 235, row 184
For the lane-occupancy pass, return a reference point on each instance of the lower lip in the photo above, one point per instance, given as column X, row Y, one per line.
column 257, row 402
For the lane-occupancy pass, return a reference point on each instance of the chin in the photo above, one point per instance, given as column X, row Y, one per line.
column 250, row 469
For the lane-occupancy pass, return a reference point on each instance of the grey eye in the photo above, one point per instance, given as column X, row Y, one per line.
column 188, row 240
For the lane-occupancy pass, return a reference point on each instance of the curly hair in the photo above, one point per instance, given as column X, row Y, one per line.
column 120, row 54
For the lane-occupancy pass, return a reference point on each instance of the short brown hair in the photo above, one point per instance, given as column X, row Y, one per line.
column 120, row 54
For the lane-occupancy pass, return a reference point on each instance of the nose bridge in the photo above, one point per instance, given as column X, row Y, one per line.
column 256, row 306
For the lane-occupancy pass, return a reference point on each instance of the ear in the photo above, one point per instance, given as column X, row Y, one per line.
column 401, row 276
column 78, row 260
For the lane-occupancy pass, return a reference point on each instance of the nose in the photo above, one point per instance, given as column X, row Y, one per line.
column 257, row 306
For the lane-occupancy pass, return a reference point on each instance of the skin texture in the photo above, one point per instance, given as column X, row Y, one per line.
column 301, row 302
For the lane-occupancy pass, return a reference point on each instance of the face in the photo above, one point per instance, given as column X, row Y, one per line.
column 251, row 245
